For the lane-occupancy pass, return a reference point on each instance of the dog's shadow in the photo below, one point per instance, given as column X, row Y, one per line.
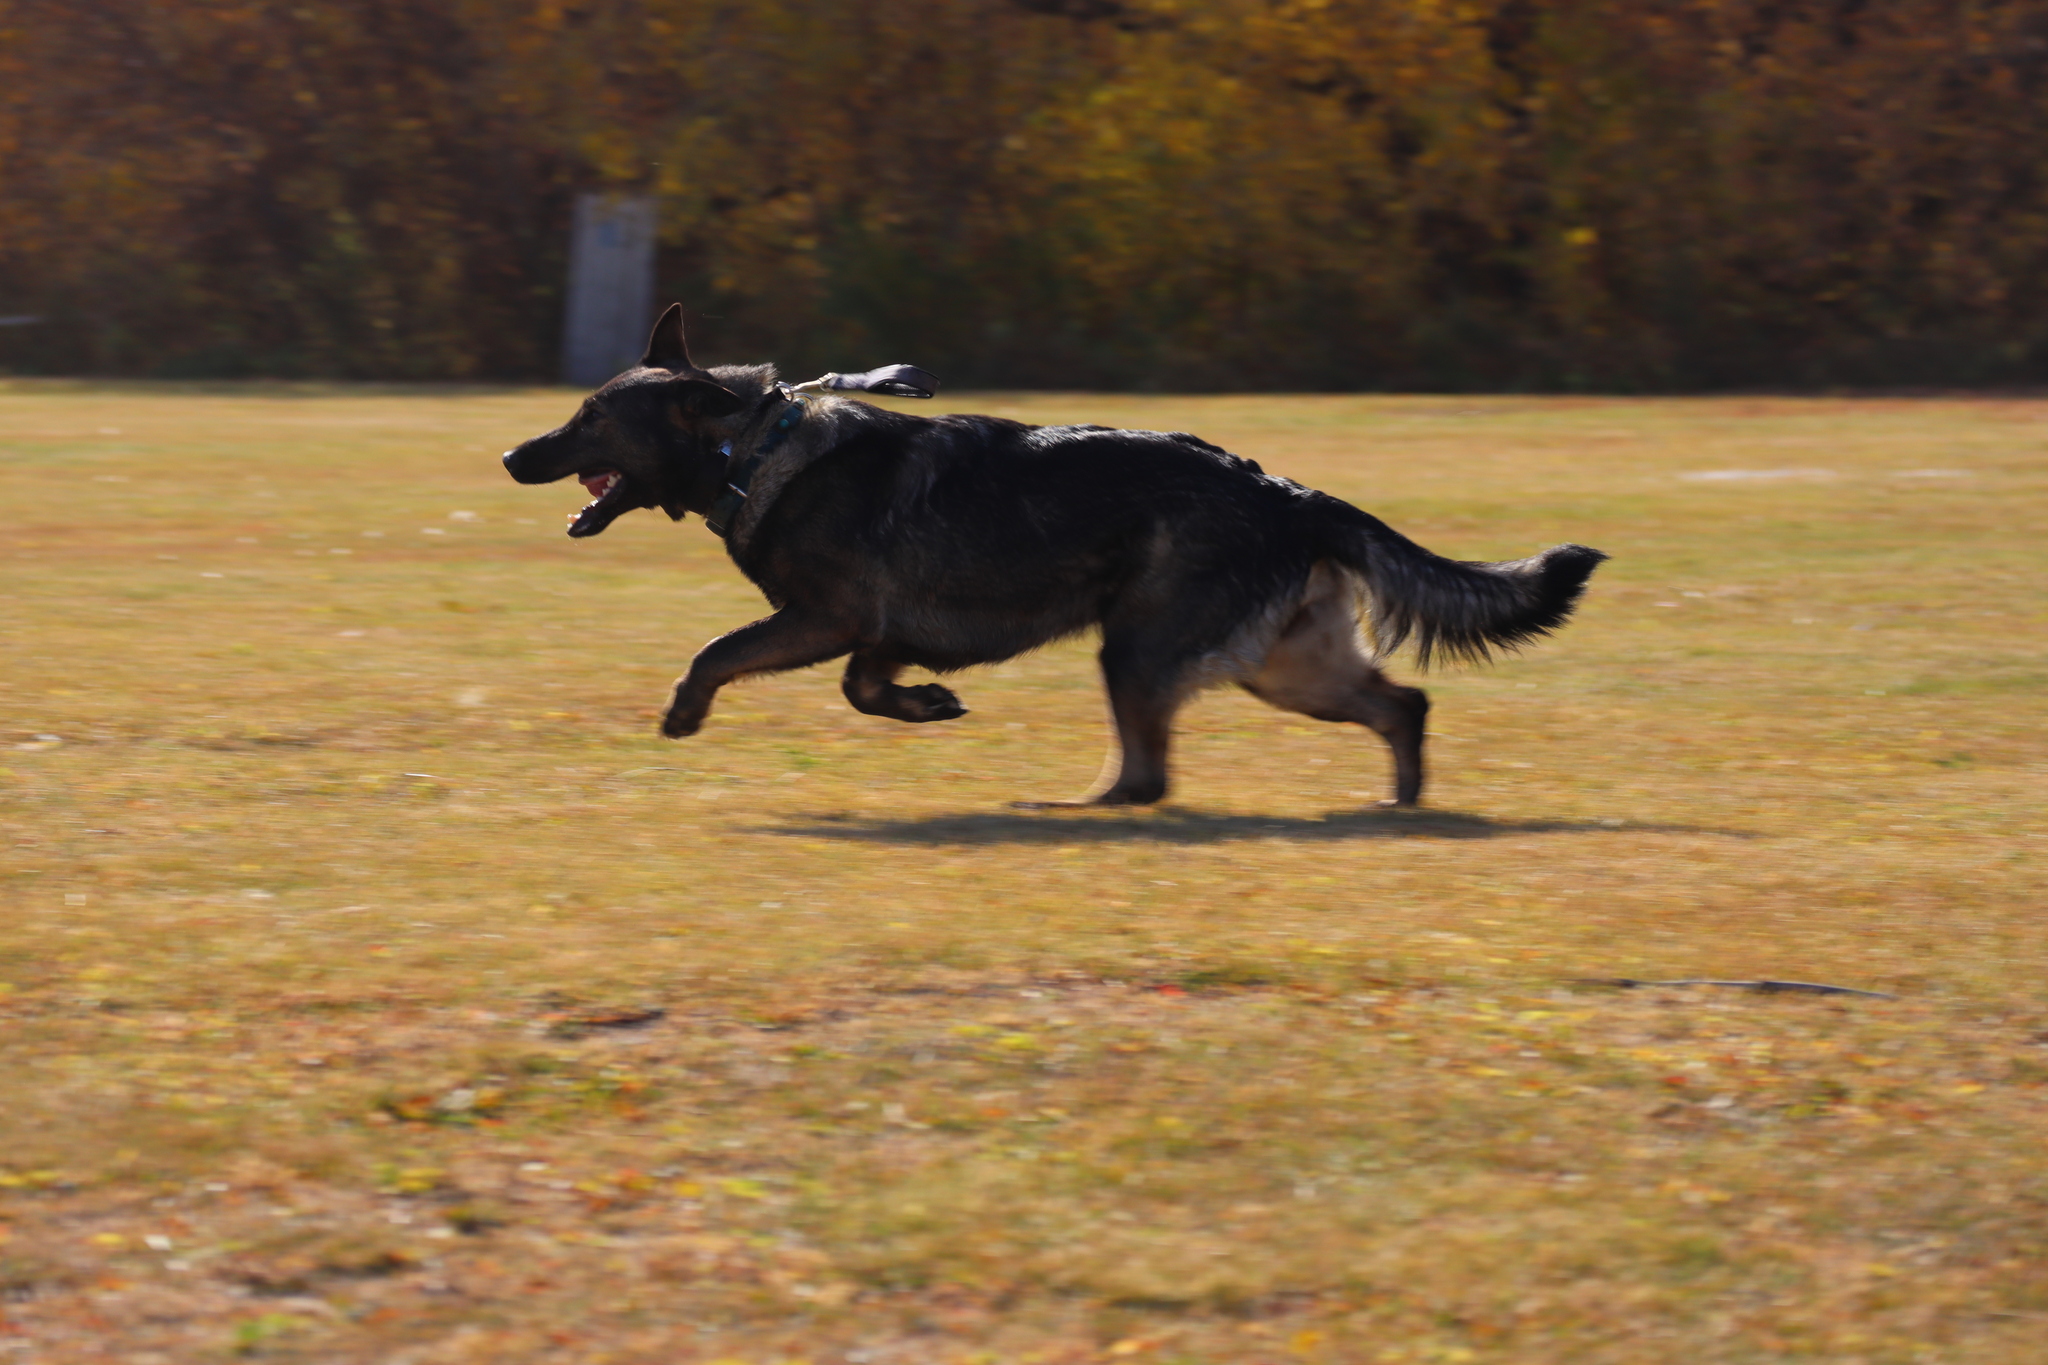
column 1178, row 825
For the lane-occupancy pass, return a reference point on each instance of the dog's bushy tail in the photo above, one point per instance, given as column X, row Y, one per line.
column 1456, row 609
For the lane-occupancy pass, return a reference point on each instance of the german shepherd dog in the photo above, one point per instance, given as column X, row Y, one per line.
column 944, row 542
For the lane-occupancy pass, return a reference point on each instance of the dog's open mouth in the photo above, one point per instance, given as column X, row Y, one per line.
column 607, row 488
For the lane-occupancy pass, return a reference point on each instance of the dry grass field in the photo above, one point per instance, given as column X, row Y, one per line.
column 377, row 987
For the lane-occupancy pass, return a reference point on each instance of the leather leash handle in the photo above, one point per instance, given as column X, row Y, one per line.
column 898, row 381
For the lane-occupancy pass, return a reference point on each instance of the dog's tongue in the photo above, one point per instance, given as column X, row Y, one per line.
column 594, row 484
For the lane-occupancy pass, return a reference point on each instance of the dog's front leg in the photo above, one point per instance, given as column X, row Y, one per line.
column 788, row 639
column 870, row 684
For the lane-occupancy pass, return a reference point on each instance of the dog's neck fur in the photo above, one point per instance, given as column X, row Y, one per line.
column 707, row 479
column 750, row 382
column 823, row 428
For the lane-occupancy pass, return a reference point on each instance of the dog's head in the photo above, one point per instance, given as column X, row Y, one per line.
column 649, row 438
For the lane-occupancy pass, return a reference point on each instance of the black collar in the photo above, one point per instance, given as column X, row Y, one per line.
column 740, row 471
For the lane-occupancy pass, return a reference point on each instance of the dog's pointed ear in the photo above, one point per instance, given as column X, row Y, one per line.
column 666, row 349
column 704, row 398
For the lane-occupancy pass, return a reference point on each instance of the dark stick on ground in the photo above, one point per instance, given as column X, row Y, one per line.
column 1767, row 987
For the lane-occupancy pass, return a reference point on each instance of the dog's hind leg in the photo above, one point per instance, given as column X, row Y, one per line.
column 870, row 684
column 1146, row 689
column 1317, row 669
column 1143, row 668
column 773, row 644
column 1143, row 711
column 1144, row 715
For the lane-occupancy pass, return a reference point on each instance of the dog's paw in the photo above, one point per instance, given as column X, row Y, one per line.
column 931, row 702
column 1131, row 794
column 681, row 724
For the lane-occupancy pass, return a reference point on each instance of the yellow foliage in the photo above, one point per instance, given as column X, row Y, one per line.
column 1341, row 193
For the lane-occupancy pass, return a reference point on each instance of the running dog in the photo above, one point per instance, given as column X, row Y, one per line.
column 943, row 542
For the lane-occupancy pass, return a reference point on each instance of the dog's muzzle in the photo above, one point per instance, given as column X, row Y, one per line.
column 520, row 464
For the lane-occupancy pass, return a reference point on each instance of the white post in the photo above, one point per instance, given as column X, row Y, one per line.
column 611, row 287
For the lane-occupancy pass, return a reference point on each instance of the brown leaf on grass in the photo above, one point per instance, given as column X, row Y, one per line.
column 576, row 1023
column 294, row 1263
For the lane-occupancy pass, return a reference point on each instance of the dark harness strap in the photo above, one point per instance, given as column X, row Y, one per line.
column 740, row 476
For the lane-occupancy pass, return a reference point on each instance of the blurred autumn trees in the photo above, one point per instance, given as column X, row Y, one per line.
column 1165, row 193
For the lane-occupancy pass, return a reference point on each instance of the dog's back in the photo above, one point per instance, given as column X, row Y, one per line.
column 968, row 540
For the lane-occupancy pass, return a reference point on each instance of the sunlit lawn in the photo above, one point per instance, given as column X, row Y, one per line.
column 344, row 857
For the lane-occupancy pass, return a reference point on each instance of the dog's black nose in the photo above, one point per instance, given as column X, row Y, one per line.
column 510, row 456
